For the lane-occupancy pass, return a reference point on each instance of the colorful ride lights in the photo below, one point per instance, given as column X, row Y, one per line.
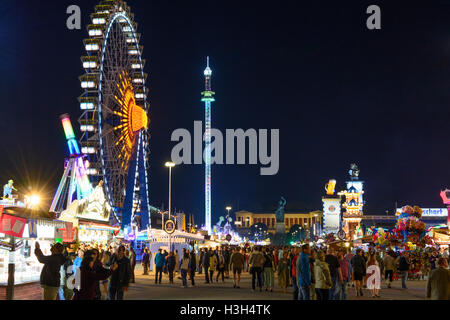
column 70, row 136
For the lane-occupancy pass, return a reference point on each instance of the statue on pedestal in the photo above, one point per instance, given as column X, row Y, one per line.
column 280, row 210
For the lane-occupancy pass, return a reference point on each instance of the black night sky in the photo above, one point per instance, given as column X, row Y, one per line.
column 338, row 92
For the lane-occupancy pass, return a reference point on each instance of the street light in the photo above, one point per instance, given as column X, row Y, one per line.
column 170, row 165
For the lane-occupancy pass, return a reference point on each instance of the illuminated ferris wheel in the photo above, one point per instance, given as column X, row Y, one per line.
column 114, row 121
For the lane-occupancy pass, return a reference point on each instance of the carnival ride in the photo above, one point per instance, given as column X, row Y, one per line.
column 74, row 183
column 114, row 121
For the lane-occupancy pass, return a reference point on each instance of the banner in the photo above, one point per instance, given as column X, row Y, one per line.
column 32, row 228
column 12, row 226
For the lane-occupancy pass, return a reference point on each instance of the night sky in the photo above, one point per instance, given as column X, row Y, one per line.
column 338, row 92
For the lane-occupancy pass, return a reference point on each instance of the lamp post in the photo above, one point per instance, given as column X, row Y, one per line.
column 170, row 165
column 228, row 208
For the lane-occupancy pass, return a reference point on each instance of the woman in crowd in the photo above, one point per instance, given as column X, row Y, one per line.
column 192, row 266
column 90, row 278
column 282, row 272
column 212, row 265
column 322, row 277
column 104, row 283
column 171, row 265
column 373, row 283
column 220, row 266
column 268, row 270
column 184, row 267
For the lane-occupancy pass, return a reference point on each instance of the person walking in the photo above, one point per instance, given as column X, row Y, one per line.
column 322, row 277
column 171, row 262
column 227, row 256
column 403, row 267
column 256, row 262
column 282, row 269
column 192, row 266
column 346, row 275
column 268, row 270
column 237, row 262
column 303, row 271
column 184, row 267
column 66, row 273
column 90, row 278
column 294, row 274
column 205, row 264
column 160, row 261
column 389, row 266
column 121, row 276
column 177, row 261
column 132, row 258
column 145, row 261
column 358, row 271
column 438, row 283
column 220, row 266
column 373, row 284
column 213, row 261
column 312, row 260
column 335, row 272
column 200, row 261
column 50, row 278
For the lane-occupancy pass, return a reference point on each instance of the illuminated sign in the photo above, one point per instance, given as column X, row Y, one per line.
column 331, row 214
column 431, row 212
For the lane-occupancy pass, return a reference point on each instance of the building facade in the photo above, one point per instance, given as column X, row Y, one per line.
column 245, row 219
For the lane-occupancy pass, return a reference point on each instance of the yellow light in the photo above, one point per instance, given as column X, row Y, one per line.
column 32, row 201
column 169, row 164
column 228, row 208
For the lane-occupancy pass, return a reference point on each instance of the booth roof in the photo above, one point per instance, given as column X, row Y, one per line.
column 29, row 213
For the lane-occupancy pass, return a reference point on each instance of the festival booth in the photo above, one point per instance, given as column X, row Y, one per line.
column 90, row 218
column 155, row 239
column 20, row 228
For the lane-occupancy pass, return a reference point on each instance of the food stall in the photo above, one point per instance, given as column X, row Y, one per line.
column 20, row 270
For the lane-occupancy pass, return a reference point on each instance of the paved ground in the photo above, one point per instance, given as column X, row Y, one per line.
column 146, row 289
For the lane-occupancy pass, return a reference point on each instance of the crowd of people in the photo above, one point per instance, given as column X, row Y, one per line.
column 313, row 273
column 91, row 273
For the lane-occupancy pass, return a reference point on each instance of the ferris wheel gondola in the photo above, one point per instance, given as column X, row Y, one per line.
column 114, row 122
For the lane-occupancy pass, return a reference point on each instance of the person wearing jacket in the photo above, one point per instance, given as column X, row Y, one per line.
column 145, row 261
column 220, row 266
column 303, row 271
column 121, row 276
column 90, row 278
column 50, row 275
column 213, row 261
column 205, row 264
column 322, row 277
column 268, row 270
column 237, row 263
column 312, row 259
column 438, row 284
column 171, row 265
column 132, row 257
column 403, row 267
column 184, row 268
column 256, row 261
column 294, row 273
column 160, row 261
column 389, row 266
column 358, row 271
column 192, row 266
column 200, row 261
column 346, row 276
